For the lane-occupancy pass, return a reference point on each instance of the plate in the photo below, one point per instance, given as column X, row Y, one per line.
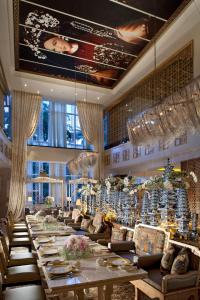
column 60, row 270
column 118, row 261
column 50, row 251
column 44, row 240
column 36, row 228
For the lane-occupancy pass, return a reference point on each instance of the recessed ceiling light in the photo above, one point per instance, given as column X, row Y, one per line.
column 51, row 90
column 25, row 84
column 76, row 94
column 84, row 99
column 38, row 92
column 98, row 98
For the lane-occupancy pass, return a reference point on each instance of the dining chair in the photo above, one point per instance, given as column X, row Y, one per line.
column 11, row 217
column 15, row 241
column 18, row 258
column 18, row 230
column 28, row 292
column 17, row 274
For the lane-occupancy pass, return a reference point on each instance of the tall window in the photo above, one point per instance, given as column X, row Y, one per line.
column 59, row 126
column 40, row 136
column 7, row 115
column 75, row 137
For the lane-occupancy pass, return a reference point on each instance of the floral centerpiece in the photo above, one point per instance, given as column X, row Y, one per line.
column 76, row 246
column 117, row 184
column 49, row 201
column 110, row 216
column 49, row 220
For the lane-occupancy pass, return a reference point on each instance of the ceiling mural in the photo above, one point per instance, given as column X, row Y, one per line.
column 90, row 41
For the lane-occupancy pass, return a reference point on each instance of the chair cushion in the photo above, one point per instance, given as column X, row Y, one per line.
column 98, row 219
column 129, row 235
column 91, row 229
column 20, row 241
column 24, row 258
column 20, row 234
column 100, row 228
column 177, row 282
column 32, row 292
column 24, row 273
column 75, row 213
column 20, row 224
column 68, row 214
column 118, row 234
column 181, row 262
column 85, row 224
column 78, row 219
column 167, row 260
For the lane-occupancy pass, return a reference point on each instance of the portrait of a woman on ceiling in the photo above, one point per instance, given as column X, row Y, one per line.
column 102, row 58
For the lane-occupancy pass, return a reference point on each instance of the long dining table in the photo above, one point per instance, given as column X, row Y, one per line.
column 94, row 271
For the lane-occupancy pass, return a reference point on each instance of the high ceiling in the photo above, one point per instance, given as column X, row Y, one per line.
column 87, row 41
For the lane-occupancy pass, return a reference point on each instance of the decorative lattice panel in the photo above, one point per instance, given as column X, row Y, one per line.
column 171, row 76
column 193, row 165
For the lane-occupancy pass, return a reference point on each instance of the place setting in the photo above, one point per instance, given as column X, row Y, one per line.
column 62, row 269
column 46, row 251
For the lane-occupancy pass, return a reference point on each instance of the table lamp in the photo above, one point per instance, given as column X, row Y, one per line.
column 78, row 202
column 30, row 199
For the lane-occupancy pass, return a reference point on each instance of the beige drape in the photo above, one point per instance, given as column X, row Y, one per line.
column 91, row 122
column 25, row 114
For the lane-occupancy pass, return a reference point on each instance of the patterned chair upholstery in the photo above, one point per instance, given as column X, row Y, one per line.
column 149, row 240
column 120, row 240
column 99, row 227
column 75, row 219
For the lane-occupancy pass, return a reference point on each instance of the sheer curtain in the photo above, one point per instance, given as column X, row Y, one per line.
column 91, row 122
column 58, row 171
column 57, row 130
column 25, row 114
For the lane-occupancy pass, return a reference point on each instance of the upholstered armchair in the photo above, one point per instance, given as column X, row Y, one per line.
column 98, row 229
column 75, row 219
column 170, row 286
column 120, row 240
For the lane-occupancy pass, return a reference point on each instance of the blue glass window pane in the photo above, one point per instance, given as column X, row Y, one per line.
column 7, row 126
column 70, row 109
column 70, row 131
column 46, row 167
column 79, row 135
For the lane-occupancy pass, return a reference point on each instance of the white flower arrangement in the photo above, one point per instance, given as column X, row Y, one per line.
column 49, row 201
column 49, row 220
column 85, row 190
